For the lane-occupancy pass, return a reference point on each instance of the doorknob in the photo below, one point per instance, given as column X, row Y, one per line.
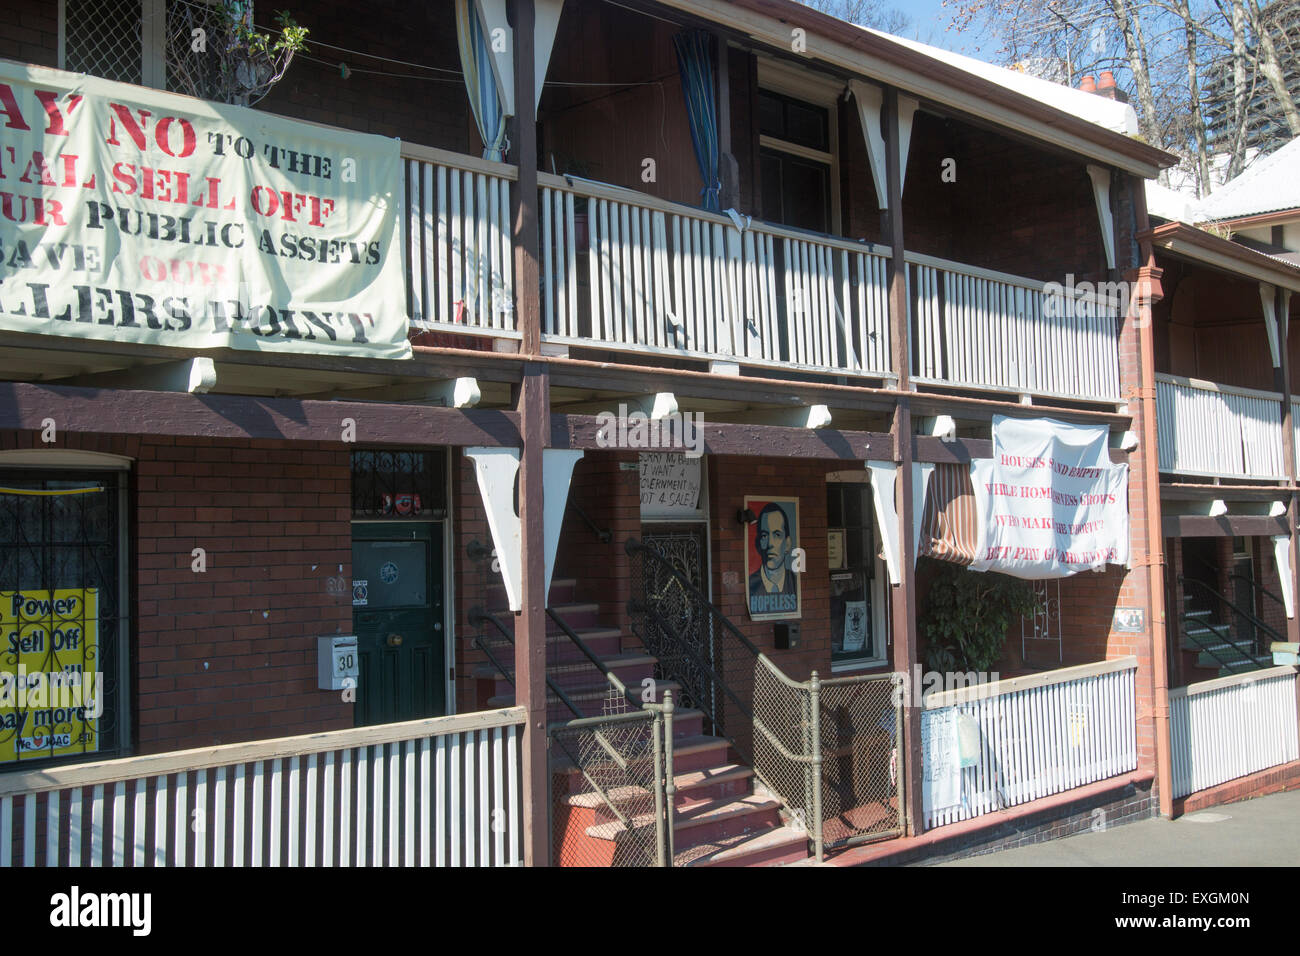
column 394, row 640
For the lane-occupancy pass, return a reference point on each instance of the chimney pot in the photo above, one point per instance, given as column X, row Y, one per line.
column 1088, row 85
column 1105, row 80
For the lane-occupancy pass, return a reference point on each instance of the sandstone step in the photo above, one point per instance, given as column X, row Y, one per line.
column 775, row 847
column 631, row 669
column 707, row 822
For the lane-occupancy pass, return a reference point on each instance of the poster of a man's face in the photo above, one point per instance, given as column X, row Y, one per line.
column 773, row 586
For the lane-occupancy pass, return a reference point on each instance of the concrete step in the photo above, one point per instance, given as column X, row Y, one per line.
column 776, row 847
column 690, row 753
column 693, row 788
column 705, row 822
column 631, row 669
column 590, row 699
column 577, row 615
column 560, row 649
column 562, row 592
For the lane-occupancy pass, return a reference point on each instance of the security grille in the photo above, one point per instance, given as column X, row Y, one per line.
column 60, row 615
column 399, row 484
column 146, row 42
column 105, row 38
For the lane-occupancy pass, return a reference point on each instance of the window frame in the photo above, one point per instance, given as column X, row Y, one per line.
column 815, row 90
column 153, row 39
column 879, row 656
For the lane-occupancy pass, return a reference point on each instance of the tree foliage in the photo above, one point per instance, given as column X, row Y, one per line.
column 216, row 53
column 1208, row 78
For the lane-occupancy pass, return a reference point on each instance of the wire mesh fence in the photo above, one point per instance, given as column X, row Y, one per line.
column 859, row 726
column 608, row 778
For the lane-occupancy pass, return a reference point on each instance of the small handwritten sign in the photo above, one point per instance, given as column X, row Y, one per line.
column 670, row 485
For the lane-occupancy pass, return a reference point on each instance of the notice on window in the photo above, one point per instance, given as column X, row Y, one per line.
column 1050, row 502
column 670, row 485
column 51, row 685
column 135, row 215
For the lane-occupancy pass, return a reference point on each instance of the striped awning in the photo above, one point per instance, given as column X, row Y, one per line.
column 950, row 522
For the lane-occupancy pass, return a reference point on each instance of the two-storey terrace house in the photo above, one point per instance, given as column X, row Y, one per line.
column 620, row 395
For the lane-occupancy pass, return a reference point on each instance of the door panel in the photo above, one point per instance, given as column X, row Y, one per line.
column 400, row 628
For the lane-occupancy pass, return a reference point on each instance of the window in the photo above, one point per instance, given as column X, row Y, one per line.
column 62, row 617
column 857, row 599
column 797, row 119
column 128, row 40
column 392, row 485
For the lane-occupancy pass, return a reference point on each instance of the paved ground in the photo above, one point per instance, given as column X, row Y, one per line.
column 1260, row 832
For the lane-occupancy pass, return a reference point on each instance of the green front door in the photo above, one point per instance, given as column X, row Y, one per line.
column 397, row 613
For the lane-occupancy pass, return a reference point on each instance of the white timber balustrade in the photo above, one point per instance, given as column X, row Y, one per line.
column 459, row 256
column 1040, row 735
column 626, row 271
column 1218, row 430
column 437, row 792
column 1232, row 726
column 987, row 330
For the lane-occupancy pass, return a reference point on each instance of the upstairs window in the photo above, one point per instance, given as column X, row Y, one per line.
column 129, row 40
column 797, row 161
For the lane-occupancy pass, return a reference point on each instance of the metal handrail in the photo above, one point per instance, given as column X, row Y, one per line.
column 604, row 534
column 812, row 760
column 587, row 652
column 1244, row 613
column 662, row 724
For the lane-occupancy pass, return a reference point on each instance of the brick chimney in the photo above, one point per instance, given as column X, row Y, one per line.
column 1106, row 87
column 1088, row 85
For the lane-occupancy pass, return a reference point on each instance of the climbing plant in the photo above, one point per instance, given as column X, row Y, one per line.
column 214, row 52
column 967, row 615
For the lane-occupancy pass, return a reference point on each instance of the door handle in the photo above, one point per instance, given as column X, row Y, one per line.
column 394, row 640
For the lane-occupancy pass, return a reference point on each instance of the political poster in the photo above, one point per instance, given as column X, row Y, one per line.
column 134, row 215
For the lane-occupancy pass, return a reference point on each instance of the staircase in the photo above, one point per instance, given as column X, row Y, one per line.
column 723, row 816
column 1211, row 646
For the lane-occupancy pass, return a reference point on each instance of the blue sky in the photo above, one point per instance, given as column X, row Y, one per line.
column 930, row 22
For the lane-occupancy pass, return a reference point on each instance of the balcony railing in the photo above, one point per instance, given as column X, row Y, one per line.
column 670, row 279
column 625, row 271
column 993, row 331
column 460, row 259
column 1218, row 431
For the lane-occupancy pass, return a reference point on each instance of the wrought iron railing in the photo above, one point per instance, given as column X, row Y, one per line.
column 1255, row 650
column 828, row 749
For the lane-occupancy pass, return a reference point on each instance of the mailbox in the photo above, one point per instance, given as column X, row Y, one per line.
column 336, row 662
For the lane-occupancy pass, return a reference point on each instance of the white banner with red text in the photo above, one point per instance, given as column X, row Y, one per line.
column 1050, row 501
column 133, row 215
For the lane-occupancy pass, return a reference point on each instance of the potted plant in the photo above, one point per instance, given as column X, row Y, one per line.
column 967, row 615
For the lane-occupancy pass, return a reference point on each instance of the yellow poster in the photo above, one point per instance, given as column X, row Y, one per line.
column 51, row 687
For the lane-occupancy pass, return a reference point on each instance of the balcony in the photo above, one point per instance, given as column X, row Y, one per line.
column 1218, row 431
column 622, row 271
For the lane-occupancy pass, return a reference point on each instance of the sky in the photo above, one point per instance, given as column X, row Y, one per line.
column 930, row 22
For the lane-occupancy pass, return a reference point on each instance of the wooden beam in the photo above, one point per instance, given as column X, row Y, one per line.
column 806, row 416
column 461, row 392
column 116, row 411
column 729, row 438
column 534, row 413
column 1227, row 526
column 959, row 451
column 197, row 375
column 1193, row 492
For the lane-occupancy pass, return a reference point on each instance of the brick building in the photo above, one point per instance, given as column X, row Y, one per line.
column 841, row 310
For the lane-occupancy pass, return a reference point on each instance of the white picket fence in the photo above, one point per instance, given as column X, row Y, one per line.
column 460, row 258
column 989, row 330
column 1218, row 430
column 1232, row 726
column 438, row 792
column 669, row 279
column 1039, row 735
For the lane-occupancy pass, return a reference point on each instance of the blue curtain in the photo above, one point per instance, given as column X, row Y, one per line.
column 480, row 80
column 695, row 64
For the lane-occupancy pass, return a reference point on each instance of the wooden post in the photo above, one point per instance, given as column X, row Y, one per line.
column 534, row 410
column 524, row 201
column 1288, row 451
column 904, row 595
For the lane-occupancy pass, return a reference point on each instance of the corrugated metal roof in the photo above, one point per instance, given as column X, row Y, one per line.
column 1269, row 184
column 1098, row 110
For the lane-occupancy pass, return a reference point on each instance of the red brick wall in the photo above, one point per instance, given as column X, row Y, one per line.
column 230, row 654
column 30, row 32
column 432, row 112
